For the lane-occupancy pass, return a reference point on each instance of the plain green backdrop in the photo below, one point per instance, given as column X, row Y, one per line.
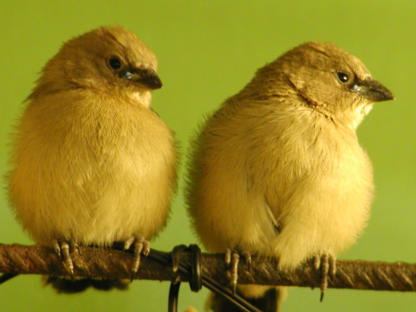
column 207, row 51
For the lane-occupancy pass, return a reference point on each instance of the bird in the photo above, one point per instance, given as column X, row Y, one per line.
column 92, row 163
column 277, row 171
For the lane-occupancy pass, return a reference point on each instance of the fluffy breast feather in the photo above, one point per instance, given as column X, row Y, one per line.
column 92, row 170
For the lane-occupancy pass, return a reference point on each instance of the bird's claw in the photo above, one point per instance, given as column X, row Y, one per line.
column 327, row 265
column 141, row 246
column 232, row 260
column 247, row 258
column 63, row 249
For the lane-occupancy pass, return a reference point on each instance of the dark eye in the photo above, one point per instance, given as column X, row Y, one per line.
column 115, row 62
column 343, row 77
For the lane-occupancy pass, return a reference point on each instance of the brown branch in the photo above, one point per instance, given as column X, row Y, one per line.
column 110, row 263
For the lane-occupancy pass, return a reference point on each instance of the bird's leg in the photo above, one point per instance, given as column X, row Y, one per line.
column 327, row 265
column 232, row 260
column 63, row 249
column 141, row 246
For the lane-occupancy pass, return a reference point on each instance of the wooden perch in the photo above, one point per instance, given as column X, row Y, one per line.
column 111, row 263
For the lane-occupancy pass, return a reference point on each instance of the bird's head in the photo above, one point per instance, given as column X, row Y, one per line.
column 329, row 80
column 110, row 59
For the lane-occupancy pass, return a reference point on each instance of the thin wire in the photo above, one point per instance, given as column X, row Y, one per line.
column 173, row 296
column 211, row 284
column 6, row 276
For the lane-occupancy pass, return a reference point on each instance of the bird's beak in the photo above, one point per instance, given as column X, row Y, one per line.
column 144, row 76
column 373, row 90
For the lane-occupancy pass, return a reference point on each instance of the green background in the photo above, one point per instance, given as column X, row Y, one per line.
column 207, row 51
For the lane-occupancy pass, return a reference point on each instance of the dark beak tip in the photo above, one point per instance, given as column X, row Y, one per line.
column 146, row 77
column 158, row 84
column 155, row 85
column 153, row 82
column 375, row 91
column 387, row 95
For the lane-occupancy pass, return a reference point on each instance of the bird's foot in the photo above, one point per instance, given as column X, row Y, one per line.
column 327, row 265
column 232, row 260
column 63, row 249
column 141, row 246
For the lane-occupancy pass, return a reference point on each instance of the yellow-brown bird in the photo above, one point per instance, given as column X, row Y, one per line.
column 277, row 171
column 92, row 163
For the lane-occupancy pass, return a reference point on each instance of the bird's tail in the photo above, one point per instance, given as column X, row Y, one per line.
column 267, row 300
column 72, row 286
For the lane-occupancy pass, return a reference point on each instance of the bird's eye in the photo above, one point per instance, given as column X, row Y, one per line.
column 343, row 77
column 115, row 62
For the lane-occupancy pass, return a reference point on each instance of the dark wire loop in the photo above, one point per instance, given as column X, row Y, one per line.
column 176, row 259
column 183, row 269
column 195, row 280
column 173, row 296
column 175, row 283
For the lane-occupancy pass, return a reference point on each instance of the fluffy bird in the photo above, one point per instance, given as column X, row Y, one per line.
column 92, row 163
column 277, row 171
